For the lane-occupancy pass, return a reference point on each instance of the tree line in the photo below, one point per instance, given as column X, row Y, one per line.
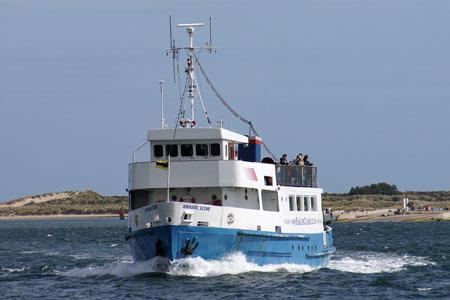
column 381, row 188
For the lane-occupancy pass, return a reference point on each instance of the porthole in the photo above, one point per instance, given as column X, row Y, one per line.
column 214, row 197
column 169, row 219
column 225, row 197
column 174, row 197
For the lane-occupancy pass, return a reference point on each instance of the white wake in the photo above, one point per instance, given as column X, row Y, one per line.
column 197, row 267
column 355, row 262
column 374, row 262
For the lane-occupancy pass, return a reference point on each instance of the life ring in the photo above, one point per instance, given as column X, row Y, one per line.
column 187, row 198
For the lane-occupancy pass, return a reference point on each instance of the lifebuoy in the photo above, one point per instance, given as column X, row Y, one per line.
column 187, row 198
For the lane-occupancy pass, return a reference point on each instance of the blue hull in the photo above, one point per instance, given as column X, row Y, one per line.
column 260, row 247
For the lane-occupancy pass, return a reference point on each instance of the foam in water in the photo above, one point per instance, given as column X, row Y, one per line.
column 372, row 262
column 13, row 270
column 120, row 269
column 233, row 264
column 198, row 267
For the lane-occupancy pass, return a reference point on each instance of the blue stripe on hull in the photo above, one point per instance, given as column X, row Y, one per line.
column 213, row 243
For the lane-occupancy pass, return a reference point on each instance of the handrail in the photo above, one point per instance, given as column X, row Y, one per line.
column 134, row 152
column 300, row 176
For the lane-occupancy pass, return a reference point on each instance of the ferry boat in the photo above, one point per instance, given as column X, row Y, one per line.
column 205, row 192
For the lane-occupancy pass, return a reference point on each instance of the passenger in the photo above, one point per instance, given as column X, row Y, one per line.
column 300, row 161
column 283, row 160
column 307, row 162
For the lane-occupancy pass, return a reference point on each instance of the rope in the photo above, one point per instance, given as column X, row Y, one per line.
column 180, row 111
column 235, row 113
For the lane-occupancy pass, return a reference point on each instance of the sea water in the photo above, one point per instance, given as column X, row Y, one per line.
column 90, row 259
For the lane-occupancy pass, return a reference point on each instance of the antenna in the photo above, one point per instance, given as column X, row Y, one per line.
column 172, row 47
column 161, row 82
column 210, row 36
column 191, row 87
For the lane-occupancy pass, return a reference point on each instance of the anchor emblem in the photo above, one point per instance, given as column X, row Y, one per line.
column 187, row 250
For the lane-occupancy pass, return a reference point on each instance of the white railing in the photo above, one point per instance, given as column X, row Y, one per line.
column 134, row 152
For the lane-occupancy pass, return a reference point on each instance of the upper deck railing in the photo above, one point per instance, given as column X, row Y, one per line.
column 296, row 176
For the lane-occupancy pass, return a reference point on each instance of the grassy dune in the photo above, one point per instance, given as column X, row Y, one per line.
column 371, row 202
column 65, row 203
column 89, row 202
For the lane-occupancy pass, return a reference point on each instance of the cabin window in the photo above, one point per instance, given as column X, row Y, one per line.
column 299, row 203
column 231, row 153
column 313, row 203
column 269, row 200
column 306, row 203
column 172, row 150
column 140, row 198
column 215, row 149
column 187, row 150
column 158, row 150
column 268, row 180
column 291, row 203
column 201, row 149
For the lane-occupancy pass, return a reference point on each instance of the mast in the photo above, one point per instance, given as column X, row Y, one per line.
column 161, row 82
column 192, row 85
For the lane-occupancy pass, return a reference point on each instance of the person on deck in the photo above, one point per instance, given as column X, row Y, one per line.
column 307, row 162
column 283, row 160
column 299, row 161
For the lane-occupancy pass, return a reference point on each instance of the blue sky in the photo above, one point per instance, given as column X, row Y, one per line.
column 363, row 87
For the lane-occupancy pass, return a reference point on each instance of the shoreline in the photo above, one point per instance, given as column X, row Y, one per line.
column 387, row 215
column 379, row 215
column 59, row 217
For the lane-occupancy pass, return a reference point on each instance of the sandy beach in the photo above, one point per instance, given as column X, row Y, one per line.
column 387, row 215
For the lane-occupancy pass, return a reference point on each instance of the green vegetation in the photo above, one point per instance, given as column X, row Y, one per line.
column 75, row 203
column 381, row 188
column 371, row 202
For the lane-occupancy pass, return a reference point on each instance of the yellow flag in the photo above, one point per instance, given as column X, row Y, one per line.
column 162, row 164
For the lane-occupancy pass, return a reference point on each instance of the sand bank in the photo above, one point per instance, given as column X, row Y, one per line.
column 387, row 215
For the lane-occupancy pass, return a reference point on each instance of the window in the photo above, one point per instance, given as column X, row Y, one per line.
column 299, row 203
column 201, row 149
column 232, row 153
column 158, row 150
column 140, row 198
column 215, row 149
column 172, row 150
column 187, row 150
column 313, row 203
column 268, row 180
column 291, row 203
column 269, row 200
column 305, row 203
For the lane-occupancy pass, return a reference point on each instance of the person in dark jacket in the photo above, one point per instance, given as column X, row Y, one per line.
column 307, row 162
column 283, row 160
